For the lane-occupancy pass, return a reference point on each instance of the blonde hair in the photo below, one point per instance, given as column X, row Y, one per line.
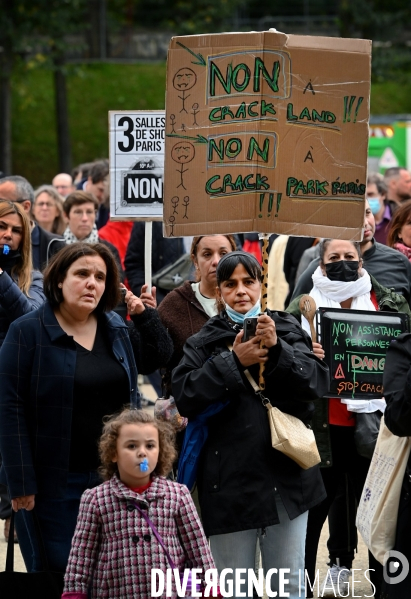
column 59, row 225
column 21, row 271
column 108, row 441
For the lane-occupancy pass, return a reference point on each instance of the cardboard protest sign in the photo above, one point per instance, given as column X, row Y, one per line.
column 136, row 164
column 355, row 343
column 266, row 132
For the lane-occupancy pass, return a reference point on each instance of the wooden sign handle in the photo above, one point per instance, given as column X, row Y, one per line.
column 264, row 292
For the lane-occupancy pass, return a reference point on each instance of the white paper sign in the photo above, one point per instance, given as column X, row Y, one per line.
column 136, row 164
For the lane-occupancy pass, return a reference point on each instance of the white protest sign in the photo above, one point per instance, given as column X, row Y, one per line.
column 136, row 164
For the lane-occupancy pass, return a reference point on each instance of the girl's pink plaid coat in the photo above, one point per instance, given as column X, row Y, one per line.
column 115, row 548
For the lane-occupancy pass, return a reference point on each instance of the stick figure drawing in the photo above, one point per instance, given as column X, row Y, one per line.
column 184, row 80
column 182, row 152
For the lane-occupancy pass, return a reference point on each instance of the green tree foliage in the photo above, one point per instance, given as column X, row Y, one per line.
column 374, row 19
column 184, row 17
column 385, row 22
column 42, row 23
column 38, row 28
column 255, row 9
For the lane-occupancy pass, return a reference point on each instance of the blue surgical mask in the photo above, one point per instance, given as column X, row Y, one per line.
column 374, row 204
column 239, row 318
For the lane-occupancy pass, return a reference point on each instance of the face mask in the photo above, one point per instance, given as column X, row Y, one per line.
column 374, row 204
column 239, row 318
column 343, row 270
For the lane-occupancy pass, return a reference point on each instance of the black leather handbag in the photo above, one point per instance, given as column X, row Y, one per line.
column 29, row 585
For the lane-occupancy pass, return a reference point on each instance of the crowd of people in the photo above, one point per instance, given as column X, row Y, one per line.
column 78, row 323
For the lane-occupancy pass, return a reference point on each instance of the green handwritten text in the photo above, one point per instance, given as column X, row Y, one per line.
column 237, row 78
column 225, row 185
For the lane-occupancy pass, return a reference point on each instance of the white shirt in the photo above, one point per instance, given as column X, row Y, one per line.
column 209, row 304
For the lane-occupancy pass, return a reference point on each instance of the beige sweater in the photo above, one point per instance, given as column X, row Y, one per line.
column 277, row 285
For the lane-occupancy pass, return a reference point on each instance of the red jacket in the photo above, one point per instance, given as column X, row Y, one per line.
column 117, row 233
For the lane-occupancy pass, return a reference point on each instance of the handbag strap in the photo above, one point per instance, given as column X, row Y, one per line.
column 10, row 546
column 264, row 400
column 157, row 535
column 40, row 543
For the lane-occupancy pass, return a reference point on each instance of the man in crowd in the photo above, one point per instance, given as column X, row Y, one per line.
column 398, row 181
column 64, row 184
column 44, row 244
column 96, row 183
column 376, row 194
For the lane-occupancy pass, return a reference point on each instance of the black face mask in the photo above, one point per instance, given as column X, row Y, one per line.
column 343, row 270
column 7, row 261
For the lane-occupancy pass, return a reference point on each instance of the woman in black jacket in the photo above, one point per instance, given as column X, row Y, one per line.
column 64, row 367
column 247, row 489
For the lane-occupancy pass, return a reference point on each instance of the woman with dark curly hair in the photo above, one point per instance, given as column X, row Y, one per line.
column 64, row 367
column 113, row 545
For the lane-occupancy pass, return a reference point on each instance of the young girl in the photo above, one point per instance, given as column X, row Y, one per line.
column 113, row 546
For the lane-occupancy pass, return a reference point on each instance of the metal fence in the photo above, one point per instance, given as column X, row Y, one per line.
column 142, row 45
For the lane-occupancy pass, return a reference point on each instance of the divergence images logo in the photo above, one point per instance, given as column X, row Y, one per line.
column 396, row 567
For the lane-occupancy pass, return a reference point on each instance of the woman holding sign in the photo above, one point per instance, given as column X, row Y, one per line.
column 340, row 282
column 247, row 489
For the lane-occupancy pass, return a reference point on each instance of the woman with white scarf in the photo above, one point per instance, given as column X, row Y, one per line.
column 340, row 281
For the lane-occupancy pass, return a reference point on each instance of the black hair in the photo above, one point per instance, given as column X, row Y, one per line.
column 99, row 171
column 325, row 242
column 229, row 263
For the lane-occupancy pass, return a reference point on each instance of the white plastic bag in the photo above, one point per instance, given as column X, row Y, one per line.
column 378, row 508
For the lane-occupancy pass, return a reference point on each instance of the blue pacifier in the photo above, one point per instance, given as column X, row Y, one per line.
column 144, row 465
column 6, row 249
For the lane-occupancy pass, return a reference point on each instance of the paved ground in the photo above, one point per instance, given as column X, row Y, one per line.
column 360, row 589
